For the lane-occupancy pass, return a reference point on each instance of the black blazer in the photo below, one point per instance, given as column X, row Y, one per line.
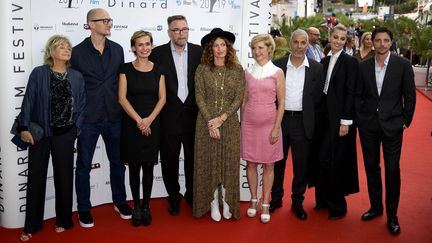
column 340, row 105
column 396, row 103
column 341, row 90
column 177, row 116
column 312, row 91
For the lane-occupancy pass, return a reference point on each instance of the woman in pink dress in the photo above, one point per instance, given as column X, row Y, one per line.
column 261, row 116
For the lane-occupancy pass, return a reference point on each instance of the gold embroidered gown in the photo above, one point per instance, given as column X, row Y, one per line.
column 217, row 161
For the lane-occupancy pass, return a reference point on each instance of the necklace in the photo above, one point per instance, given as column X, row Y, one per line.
column 222, row 84
column 58, row 75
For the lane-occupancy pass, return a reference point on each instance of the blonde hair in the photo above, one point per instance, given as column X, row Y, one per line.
column 267, row 40
column 364, row 37
column 139, row 34
column 52, row 43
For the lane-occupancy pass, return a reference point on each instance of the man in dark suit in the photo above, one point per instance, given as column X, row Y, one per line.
column 335, row 137
column 179, row 60
column 303, row 89
column 385, row 103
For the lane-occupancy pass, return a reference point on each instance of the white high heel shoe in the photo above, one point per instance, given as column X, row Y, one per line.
column 226, row 208
column 251, row 212
column 214, row 205
column 265, row 217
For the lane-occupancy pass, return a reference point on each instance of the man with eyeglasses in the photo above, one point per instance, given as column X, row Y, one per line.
column 314, row 50
column 99, row 59
column 180, row 59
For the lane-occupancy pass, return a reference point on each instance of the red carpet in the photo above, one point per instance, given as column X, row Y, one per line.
column 427, row 92
column 415, row 211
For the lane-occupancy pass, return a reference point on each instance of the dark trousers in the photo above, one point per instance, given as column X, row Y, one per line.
column 327, row 188
column 371, row 138
column 61, row 148
column 170, row 153
column 147, row 182
column 87, row 140
column 293, row 135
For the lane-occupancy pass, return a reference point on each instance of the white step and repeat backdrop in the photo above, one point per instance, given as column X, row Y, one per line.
column 28, row 26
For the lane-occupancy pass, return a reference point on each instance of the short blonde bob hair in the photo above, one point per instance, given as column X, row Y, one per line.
column 268, row 41
column 52, row 43
column 138, row 34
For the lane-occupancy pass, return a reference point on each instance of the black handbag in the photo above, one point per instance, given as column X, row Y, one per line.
column 35, row 130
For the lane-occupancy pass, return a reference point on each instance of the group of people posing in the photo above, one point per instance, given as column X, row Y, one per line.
column 182, row 94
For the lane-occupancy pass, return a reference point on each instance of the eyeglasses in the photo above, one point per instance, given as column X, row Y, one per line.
column 104, row 21
column 178, row 31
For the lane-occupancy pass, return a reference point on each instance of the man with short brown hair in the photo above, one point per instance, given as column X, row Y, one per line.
column 385, row 104
column 179, row 59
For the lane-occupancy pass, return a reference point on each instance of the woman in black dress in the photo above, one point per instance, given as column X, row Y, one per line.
column 142, row 96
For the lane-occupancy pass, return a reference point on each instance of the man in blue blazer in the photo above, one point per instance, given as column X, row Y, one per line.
column 314, row 50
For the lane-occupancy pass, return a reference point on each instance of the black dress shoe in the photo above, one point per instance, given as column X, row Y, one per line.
column 371, row 214
column 299, row 212
column 189, row 198
column 320, row 207
column 274, row 205
column 174, row 207
column 393, row 225
column 336, row 216
column 146, row 216
column 137, row 216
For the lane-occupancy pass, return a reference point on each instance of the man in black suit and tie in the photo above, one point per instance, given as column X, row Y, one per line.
column 304, row 83
column 385, row 103
column 179, row 59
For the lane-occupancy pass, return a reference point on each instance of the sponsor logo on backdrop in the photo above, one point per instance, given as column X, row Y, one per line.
column 95, row 166
column 70, row 26
column 206, row 29
column 38, row 27
column 120, row 26
column 77, row 3
column 212, row 6
column 152, row 28
column 230, row 28
column 151, row 4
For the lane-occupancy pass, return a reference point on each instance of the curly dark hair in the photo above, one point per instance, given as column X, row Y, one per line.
column 207, row 57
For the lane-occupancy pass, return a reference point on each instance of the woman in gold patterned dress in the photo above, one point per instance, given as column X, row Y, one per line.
column 219, row 90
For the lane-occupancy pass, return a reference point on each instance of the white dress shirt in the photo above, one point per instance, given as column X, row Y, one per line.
column 380, row 73
column 180, row 62
column 332, row 63
column 333, row 60
column 294, row 83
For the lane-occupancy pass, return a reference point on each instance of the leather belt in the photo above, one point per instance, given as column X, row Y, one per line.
column 293, row 113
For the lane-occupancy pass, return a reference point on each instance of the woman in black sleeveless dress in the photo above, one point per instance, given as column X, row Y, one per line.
column 142, row 96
